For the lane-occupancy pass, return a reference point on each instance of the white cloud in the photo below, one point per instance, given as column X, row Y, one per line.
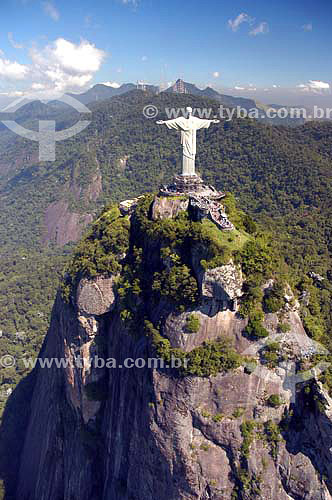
column 12, row 93
column 65, row 65
column 307, row 27
column 261, row 29
column 144, row 58
column 115, row 85
column 238, row 88
column 241, row 18
column 216, row 74
column 37, row 86
column 81, row 58
column 51, row 11
column 13, row 70
column 13, row 43
column 63, row 81
column 60, row 66
column 315, row 86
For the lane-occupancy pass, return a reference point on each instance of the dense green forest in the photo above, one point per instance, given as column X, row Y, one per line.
column 281, row 176
column 28, row 282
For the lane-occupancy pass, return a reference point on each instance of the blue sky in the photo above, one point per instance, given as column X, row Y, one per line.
column 267, row 49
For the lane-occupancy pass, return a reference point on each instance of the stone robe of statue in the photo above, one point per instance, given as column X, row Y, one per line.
column 188, row 127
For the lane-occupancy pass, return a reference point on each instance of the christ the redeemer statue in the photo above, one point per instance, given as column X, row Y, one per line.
column 188, row 127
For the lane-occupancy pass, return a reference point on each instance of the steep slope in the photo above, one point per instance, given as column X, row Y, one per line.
column 281, row 175
column 227, row 422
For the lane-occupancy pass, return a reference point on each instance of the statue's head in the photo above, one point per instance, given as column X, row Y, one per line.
column 189, row 110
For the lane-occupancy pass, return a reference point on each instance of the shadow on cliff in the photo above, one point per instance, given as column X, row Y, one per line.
column 13, row 428
column 309, row 431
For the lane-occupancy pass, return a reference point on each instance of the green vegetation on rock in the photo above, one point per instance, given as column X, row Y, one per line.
column 192, row 323
column 238, row 412
column 274, row 400
column 284, row 327
column 100, row 252
column 247, row 483
column 274, row 299
column 271, row 354
column 221, row 245
column 255, row 329
column 210, row 358
column 178, row 284
column 272, row 436
column 247, row 431
column 28, row 281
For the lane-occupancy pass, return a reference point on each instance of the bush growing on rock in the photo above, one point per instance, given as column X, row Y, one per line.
column 100, row 251
column 274, row 401
column 272, row 436
column 192, row 323
column 251, row 300
column 247, row 431
column 210, row 358
column 178, row 284
column 284, row 327
column 275, row 298
column 271, row 354
column 256, row 260
column 255, row 328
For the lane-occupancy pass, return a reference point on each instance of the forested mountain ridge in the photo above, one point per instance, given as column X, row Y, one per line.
column 281, row 176
column 134, row 155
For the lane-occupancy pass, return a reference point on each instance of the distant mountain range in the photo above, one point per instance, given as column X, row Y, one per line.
column 101, row 92
column 28, row 112
column 226, row 100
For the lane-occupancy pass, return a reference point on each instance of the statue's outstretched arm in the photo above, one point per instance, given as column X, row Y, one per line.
column 205, row 123
column 176, row 123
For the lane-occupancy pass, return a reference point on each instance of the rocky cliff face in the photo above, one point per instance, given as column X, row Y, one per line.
column 62, row 223
column 244, row 431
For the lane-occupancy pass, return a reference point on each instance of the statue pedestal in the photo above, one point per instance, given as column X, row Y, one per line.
column 188, row 183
